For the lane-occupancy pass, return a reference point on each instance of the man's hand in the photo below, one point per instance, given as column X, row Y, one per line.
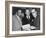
column 33, row 27
column 26, row 27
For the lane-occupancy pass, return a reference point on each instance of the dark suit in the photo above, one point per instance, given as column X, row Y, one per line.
column 27, row 21
column 37, row 22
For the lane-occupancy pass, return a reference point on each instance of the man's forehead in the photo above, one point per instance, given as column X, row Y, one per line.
column 19, row 10
column 33, row 10
column 27, row 9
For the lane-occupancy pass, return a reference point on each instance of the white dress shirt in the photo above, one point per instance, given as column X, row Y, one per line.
column 28, row 17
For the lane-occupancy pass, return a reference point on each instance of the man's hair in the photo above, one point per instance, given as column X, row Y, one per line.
column 26, row 9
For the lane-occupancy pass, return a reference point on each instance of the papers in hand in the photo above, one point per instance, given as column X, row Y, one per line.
column 33, row 27
column 26, row 27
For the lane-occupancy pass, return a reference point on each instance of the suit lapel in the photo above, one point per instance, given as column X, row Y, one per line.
column 19, row 21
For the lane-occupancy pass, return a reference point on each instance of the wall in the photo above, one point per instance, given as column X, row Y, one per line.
column 2, row 19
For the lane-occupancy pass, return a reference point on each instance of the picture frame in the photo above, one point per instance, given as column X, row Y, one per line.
column 8, row 9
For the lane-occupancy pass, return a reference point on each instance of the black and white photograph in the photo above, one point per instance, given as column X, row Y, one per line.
column 25, row 18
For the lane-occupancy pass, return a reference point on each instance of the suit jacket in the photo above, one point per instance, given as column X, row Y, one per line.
column 27, row 21
column 37, row 22
column 16, row 25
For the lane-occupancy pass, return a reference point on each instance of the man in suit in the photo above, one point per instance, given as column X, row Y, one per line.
column 16, row 21
column 27, row 20
column 37, row 19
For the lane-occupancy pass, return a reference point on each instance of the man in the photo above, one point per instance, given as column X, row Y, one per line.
column 27, row 20
column 36, row 20
column 16, row 21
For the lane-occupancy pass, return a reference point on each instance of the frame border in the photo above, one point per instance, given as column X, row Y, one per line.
column 7, row 3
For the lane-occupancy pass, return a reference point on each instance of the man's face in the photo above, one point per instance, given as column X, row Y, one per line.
column 19, row 12
column 34, row 13
column 27, row 12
